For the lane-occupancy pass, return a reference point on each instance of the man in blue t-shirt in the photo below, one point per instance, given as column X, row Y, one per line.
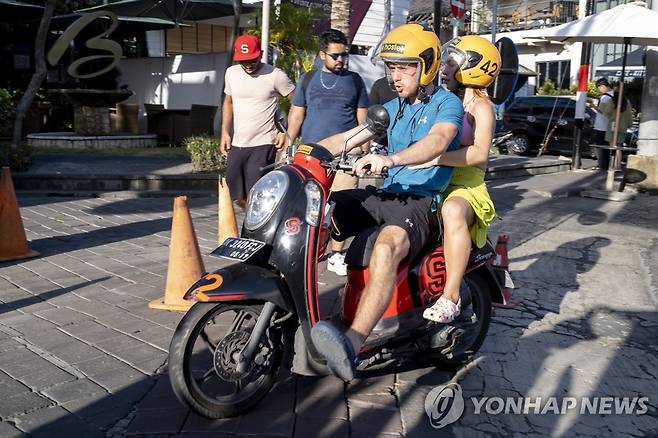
column 329, row 99
column 425, row 121
column 333, row 100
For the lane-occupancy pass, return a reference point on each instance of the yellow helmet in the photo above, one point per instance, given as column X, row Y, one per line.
column 414, row 42
column 478, row 60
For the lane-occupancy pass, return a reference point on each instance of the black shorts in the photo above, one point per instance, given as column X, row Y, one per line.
column 243, row 168
column 358, row 209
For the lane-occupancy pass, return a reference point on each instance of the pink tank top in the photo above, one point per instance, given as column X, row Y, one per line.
column 468, row 134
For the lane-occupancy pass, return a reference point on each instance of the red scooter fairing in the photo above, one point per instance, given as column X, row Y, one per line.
column 415, row 286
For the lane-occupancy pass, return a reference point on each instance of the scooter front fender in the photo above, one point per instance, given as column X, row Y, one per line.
column 241, row 282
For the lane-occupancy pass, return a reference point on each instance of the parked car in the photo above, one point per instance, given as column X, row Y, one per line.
column 532, row 118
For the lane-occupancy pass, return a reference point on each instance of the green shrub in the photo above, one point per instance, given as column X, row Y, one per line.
column 6, row 113
column 18, row 159
column 548, row 89
column 205, row 154
column 593, row 90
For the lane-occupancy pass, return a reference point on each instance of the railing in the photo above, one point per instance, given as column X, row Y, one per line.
column 517, row 17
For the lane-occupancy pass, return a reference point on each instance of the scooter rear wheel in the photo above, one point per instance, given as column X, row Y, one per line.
column 477, row 307
column 203, row 357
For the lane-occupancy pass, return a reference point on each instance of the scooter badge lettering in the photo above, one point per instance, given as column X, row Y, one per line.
column 293, row 226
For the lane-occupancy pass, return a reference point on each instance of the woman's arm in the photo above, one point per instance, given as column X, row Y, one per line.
column 478, row 153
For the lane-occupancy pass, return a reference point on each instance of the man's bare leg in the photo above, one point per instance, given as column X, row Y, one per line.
column 337, row 246
column 391, row 247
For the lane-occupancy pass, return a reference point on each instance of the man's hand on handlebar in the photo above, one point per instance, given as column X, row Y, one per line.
column 373, row 164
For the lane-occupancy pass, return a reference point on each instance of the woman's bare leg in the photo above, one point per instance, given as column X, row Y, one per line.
column 457, row 217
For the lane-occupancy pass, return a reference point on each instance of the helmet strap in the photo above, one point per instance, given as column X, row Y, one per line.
column 424, row 92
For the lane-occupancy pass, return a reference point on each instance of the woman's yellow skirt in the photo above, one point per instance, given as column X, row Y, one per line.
column 468, row 183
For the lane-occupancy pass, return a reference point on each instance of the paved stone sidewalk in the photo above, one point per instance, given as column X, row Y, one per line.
column 82, row 355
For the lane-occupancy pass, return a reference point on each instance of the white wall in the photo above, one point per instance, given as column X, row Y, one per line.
column 534, row 51
column 177, row 82
column 372, row 25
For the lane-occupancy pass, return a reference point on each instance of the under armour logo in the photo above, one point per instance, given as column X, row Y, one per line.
column 423, row 120
column 408, row 222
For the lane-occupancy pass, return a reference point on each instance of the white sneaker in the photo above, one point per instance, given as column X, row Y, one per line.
column 336, row 264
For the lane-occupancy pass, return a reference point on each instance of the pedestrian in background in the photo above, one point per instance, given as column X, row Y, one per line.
column 329, row 100
column 381, row 92
column 601, row 124
column 609, row 109
column 248, row 134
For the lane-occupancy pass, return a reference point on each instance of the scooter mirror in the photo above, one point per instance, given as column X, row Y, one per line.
column 377, row 119
column 281, row 120
column 505, row 84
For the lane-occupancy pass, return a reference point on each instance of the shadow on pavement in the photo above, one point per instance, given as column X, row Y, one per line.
column 48, row 246
column 532, row 352
column 18, row 304
column 158, row 205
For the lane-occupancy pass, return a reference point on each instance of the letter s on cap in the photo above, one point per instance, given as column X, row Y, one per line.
column 244, row 48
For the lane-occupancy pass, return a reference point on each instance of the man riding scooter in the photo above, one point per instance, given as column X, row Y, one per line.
column 425, row 122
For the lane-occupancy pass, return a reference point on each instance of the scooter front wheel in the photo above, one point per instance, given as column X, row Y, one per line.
column 204, row 354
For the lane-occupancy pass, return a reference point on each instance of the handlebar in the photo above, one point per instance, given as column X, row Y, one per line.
column 347, row 165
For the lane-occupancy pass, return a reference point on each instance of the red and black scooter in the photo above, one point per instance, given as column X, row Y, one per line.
column 252, row 316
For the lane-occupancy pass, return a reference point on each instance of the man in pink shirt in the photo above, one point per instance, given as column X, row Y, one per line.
column 248, row 134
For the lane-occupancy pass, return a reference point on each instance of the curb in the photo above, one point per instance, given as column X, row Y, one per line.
column 112, row 183
column 198, row 185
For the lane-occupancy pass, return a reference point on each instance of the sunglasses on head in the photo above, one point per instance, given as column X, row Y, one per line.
column 335, row 56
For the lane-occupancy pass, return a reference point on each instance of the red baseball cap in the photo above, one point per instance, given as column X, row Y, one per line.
column 246, row 48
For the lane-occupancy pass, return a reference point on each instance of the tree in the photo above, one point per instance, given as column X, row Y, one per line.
column 39, row 74
column 340, row 16
column 289, row 35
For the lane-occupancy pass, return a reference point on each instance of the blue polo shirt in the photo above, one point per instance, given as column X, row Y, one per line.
column 331, row 101
column 409, row 123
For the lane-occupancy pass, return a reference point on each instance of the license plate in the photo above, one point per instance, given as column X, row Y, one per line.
column 238, row 249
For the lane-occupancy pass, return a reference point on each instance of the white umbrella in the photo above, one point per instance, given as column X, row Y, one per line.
column 630, row 23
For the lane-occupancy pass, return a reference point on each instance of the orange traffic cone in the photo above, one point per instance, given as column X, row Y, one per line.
column 185, row 263
column 13, row 242
column 226, row 223
column 501, row 262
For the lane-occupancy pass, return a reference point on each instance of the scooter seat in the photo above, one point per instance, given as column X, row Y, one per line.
column 360, row 250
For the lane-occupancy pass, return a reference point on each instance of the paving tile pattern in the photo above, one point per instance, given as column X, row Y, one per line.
column 82, row 355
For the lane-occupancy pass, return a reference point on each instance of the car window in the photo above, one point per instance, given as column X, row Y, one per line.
column 544, row 107
column 519, row 106
column 569, row 112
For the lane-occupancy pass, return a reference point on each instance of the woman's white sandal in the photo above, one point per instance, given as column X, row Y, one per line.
column 443, row 311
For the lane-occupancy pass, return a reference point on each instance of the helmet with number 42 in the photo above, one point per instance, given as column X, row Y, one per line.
column 477, row 58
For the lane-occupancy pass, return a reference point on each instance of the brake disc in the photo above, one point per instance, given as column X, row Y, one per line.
column 227, row 356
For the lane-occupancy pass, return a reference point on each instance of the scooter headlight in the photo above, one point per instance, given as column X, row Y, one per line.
column 313, row 203
column 264, row 197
